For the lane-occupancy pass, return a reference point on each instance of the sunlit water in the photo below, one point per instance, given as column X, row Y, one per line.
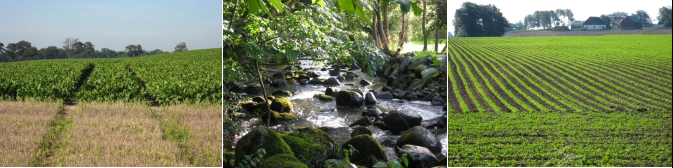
column 314, row 113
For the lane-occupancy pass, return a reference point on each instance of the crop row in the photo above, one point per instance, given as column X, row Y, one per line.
column 559, row 139
column 40, row 80
column 555, row 74
column 192, row 77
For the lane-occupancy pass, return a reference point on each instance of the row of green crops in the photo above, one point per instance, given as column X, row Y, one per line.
column 190, row 77
column 551, row 139
column 40, row 80
column 571, row 73
column 111, row 81
column 193, row 77
column 560, row 101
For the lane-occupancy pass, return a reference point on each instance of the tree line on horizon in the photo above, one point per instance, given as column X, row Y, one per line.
column 474, row 20
column 72, row 48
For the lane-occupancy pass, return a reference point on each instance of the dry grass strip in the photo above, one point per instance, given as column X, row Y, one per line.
column 197, row 130
column 22, row 126
column 115, row 135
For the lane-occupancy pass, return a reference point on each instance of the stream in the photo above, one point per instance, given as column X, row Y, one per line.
column 314, row 113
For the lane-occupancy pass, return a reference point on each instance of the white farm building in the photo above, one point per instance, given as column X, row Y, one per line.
column 594, row 23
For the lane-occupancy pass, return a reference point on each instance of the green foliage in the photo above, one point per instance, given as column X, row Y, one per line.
column 111, row 81
column 348, row 152
column 253, row 160
column 40, row 80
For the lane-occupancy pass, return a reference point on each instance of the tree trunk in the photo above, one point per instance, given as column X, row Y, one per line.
column 385, row 20
column 425, row 35
column 403, row 32
column 266, row 99
column 437, row 37
column 386, row 50
column 375, row 32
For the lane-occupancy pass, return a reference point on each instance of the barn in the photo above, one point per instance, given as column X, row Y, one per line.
column 617, row 23
column 594, row 23
column 632, row 23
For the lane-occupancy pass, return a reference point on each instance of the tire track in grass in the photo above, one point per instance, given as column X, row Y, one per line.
column 60, row 126
column 467, row 103
column 545, row 79
column 585, row 92
column 599, row 81
column 496, row 88
column 540, row 101
column 481, row 86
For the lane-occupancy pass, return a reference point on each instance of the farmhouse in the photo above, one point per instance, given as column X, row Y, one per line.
column 632, row 23
column 617, row 23
column 594, row 23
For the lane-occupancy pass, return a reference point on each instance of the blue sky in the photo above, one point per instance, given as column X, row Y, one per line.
column 113, row 24
column 516, row 10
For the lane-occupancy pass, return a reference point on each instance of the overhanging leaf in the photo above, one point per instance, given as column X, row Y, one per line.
column 253, row 6
column 319, row 2
column 361, row 13
column 405, row 6
column 277, row 4
column 347, row 5
column 417, row 10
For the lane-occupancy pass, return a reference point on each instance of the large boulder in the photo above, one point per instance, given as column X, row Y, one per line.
column 264, row 138
column 360, row 131
column 370, row 99
column 332, row 82
column 349, row 99
column 418, row 156
column 311, row 144
column 398, row 121
column 277, row 117
column 384, row 95
column 281, row 104
column 282, row 161
column 369, row 151
column 420, row 136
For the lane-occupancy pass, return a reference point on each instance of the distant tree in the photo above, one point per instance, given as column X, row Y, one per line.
column 107, row 53
column 30, row 53
column 2, row 48
column 69, row 45
column 181, row 47
column 50, row 52
column 89, row 50
column 11, row 50
column 78, row 47
column 644, row 17
column 156, row 51
column 134, row 50
column 473, row 20
column 664, row 15
column 618, row 15
column 607, row 21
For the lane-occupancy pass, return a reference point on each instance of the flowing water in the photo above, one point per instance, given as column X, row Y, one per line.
column 313, row 113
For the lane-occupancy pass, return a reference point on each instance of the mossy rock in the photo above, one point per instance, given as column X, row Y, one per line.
column 277, row 117
column 369, row 151
column 282, row 161
column 261, row 137
column 282, row 93
column 310, row 145
column 349, row 98
column 324, row 97
column 316, row 81
column 281, row 104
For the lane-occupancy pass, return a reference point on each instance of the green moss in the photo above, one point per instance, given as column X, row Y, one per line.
column 261, row 137
column 324, row 97
column 310, row 144
column 276, row 117
column 282, row 161
column 281, row 104
column 367, row 147
column 282, row 93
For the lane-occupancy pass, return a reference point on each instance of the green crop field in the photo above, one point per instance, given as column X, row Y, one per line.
column 191, row 77
column 560, row 101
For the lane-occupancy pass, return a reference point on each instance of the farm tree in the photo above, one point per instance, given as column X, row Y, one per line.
column 473, row 20
column 664, row 15
column 644, row 17
column 181, row 47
